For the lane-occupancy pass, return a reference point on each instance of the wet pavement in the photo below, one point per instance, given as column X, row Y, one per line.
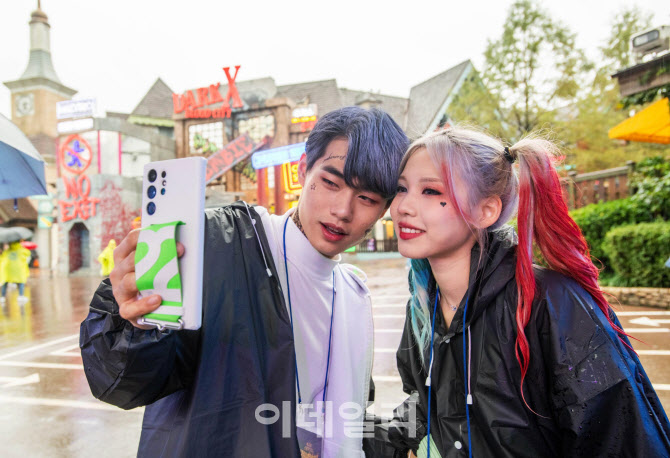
column 46, row 408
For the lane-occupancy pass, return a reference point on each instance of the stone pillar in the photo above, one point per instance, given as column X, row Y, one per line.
column 281, row 110
column 179, row 133
column 280, row 202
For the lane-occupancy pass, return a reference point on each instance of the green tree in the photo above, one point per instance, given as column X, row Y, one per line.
column 584, row 130
column 475, row 104
column 533, row 68
column 616, row 52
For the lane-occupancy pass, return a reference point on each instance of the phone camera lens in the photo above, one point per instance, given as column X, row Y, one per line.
column 151, row 208
column 163, row 174
column 163, row 191
column 152, row 175
column 151, row 192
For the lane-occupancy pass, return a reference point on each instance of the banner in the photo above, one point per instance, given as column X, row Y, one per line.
column 234, row 152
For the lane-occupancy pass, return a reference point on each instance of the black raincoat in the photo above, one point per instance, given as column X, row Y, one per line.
column 202, row 388
column 590, row 392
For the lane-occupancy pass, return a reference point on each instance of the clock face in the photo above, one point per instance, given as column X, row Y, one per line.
column 25, row 105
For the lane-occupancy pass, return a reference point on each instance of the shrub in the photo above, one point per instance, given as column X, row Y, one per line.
column 651, row 167
column 596, row 220
column 650, row 185
column 638, row 253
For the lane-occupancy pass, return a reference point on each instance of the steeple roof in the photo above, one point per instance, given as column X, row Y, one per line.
column 40, row 70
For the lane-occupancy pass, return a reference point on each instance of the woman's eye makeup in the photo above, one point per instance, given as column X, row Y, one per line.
column 432, row 192
column 427, row 191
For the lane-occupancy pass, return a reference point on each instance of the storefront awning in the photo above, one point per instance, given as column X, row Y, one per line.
column 651, row 125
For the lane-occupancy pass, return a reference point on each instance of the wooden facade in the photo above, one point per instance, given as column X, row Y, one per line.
column 593, row 187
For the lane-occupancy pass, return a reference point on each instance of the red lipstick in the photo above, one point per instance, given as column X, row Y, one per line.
column 408, row 232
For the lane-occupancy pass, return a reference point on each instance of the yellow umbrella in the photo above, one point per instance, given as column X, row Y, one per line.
column 651, row 125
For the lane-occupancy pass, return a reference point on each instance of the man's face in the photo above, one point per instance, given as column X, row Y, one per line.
column 335, row 216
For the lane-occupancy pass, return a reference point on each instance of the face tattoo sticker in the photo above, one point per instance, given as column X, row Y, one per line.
column 443, row 203
column 312, row 187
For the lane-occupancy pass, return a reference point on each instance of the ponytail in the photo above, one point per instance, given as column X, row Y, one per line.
column 543, row 219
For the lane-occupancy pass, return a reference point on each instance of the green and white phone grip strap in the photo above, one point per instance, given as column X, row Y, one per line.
column 157, row 272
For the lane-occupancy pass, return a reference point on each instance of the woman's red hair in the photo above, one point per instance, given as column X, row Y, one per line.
column 543, row 219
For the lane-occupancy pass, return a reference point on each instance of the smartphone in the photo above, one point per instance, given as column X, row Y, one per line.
column 174, row 190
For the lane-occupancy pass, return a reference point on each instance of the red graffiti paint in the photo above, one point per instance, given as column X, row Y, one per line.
column 117, row 216
column 82, row 206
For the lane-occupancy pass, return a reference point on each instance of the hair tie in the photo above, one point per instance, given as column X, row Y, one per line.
column 510, row 156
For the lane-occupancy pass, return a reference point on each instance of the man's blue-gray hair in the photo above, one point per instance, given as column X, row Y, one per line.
column 376, row 147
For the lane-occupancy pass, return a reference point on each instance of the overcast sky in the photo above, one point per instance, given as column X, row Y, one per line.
column 115, row 50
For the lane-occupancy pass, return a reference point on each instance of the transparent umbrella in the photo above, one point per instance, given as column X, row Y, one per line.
column 14, row 234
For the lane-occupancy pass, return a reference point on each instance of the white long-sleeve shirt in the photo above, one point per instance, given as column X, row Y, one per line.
column 311, row 282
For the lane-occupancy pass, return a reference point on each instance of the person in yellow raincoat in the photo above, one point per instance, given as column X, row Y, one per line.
column 14, row 266
column 106, row 259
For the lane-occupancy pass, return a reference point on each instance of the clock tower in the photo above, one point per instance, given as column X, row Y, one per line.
column 35, row 93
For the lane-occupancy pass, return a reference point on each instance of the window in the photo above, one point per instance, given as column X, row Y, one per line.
column 257, row 128
column 205, row 138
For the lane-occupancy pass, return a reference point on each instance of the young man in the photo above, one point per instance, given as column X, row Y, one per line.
column 285, row 325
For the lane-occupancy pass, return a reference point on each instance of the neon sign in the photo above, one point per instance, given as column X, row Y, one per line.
column 303, row 119
column 291, row 181
column 277, row 156
column 191, row 104
column 304, row 116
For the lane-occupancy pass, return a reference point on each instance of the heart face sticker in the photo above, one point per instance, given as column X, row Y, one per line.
column 443, row 203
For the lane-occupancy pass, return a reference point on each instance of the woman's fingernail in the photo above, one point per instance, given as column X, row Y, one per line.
column 154, row 300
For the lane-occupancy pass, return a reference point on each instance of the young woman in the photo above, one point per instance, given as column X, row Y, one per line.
column 503, row 357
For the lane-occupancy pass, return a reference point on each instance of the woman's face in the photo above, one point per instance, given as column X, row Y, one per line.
column 427, row 224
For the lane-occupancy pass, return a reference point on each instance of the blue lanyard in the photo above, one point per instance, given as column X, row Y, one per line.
column 330, row 334
column 465, row 374
column 430, row 368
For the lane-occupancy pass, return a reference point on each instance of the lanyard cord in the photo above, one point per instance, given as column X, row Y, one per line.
column 430, row 369
column 466, row 369
column 330, row 334
column 330, row 339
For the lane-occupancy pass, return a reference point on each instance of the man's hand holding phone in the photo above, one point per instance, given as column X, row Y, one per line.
column 124, row 287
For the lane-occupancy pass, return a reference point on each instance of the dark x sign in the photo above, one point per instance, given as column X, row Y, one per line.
column 206, row 96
